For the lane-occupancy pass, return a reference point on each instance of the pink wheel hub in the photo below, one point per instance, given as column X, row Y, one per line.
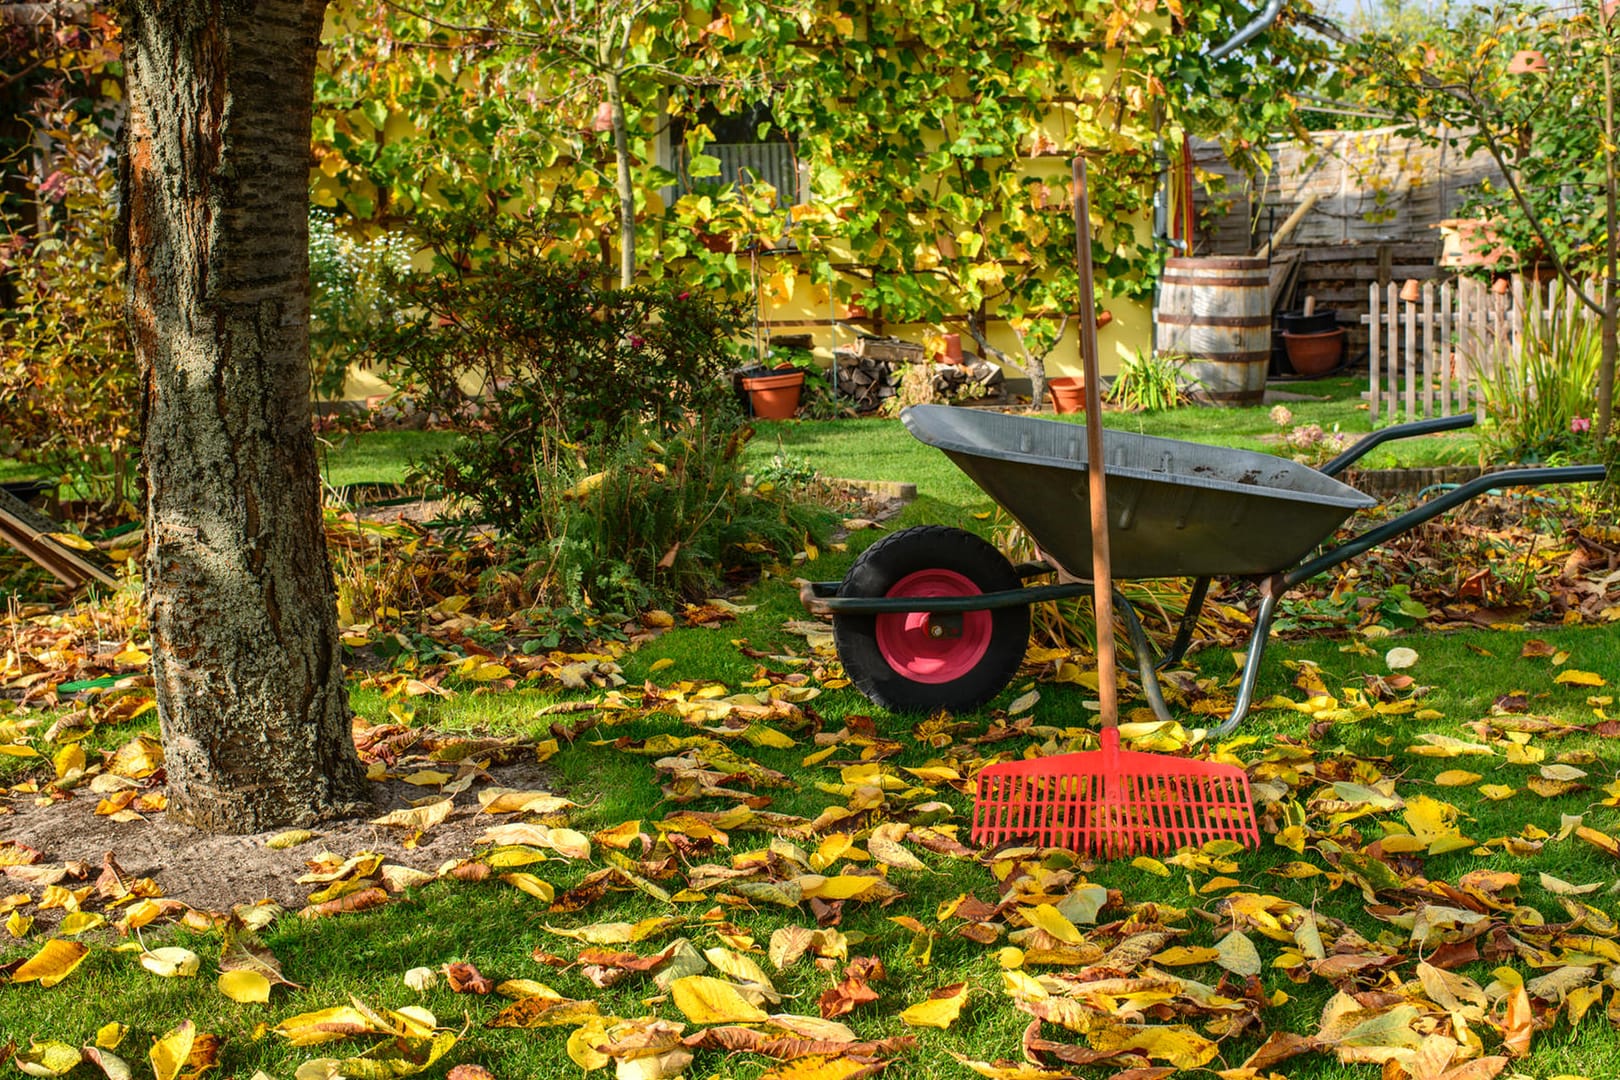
column 909, row 646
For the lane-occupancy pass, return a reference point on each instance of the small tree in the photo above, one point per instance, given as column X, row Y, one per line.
column 1534, row 88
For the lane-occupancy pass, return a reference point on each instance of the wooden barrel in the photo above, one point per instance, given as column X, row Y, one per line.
column 1217, row 312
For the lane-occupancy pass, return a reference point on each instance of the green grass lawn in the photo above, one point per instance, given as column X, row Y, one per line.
column 377, row 457
column 881, row 449
column 498, row 928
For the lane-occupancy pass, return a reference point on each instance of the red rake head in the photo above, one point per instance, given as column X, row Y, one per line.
column 1113, row 802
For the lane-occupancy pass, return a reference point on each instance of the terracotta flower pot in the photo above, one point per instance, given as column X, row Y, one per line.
column 1527, row 62
column 1068, row 393
column 1314, row 354
column 719, row 243
column 774, row 397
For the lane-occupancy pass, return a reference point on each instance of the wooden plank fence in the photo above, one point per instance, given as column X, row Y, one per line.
column 1426, row 355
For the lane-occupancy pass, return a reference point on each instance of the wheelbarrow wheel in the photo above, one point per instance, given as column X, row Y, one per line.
column 911, row 662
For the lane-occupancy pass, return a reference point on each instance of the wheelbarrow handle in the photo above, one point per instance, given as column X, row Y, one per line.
column 1568, row 474
column 1389, row 434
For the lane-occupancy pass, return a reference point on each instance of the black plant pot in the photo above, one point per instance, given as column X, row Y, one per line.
column 1297, row 322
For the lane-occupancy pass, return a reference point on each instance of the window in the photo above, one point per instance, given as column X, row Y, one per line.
column 744, row 155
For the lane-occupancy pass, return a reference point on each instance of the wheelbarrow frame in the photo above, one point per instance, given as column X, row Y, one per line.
column 821, row 597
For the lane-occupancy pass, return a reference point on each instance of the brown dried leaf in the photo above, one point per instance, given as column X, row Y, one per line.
column 464, row 978
column 358, row 901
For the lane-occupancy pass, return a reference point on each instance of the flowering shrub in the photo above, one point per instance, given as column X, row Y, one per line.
column 1313, row 445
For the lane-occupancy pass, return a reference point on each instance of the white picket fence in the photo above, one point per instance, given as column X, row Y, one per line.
column 1420, row 350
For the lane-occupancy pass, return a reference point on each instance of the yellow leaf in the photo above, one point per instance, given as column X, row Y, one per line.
column 1181, row 955
column 583, row 1043
column 660, row 664
column 1496, row 792
column 48, row 1058
column 1015, row 1070
column 817, row 1067
column 290, row 838
column 535, row 887
column 81, row 921
column 323, row 1025
column 1580, row 678
column 18, row 925
column 1457, row 778
column 418, row 817
column 1151, row 866
column 941, row 1008
column 69, row 760
column 842, row 887
column 707, row 1000
column 1051, row 920
column 77, row 543
column 168, row 1054
column 172, row 962
column 1180, row 1046
column 51, row 964
column 110, row 1034
column 737, row 966
column 244, row 986
column 884, row 846
column 1237, row 954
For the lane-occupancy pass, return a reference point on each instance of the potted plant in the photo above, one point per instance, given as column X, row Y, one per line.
column 773, row 393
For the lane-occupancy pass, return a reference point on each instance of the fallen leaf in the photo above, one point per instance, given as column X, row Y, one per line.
column 169, row 1054
column 704, row 999
column 941, row 1008
column 54, row 962
column 246, row 987
column 171, row 962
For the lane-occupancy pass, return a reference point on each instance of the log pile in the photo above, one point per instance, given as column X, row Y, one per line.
column 864, row 382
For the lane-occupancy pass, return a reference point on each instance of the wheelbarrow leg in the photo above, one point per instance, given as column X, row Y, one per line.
column 1270, row 593
column 1146, row 667
column 1189, row 622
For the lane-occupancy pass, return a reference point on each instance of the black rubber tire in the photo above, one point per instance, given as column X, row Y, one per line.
column 879, row 568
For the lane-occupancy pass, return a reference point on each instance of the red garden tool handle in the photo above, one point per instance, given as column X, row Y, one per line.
column 1101, row 573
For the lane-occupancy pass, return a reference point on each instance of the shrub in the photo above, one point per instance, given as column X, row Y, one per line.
column 1541, row 399
column 544, row 371
column 68, row 386
column 599, row 430
column 661, row 521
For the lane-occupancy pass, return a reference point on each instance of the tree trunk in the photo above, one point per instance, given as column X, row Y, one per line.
column 239, row 595
column 622, row 183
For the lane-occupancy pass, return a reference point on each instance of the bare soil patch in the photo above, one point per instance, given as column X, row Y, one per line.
column 213, row 872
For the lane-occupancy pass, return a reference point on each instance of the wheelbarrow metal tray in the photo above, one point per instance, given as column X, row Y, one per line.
column 1175, row 509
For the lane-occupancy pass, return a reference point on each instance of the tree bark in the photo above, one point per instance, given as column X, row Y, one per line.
column 239, row 593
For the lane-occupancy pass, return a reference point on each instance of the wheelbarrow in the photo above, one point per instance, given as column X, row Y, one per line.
column 935, row 617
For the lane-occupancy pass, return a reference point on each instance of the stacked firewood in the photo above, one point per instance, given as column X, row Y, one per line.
column 864, row 382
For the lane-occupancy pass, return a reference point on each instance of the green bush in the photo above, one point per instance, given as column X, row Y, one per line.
column 662, row 520
column 542, row 370
column 1541, row 400
column 598, row 426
